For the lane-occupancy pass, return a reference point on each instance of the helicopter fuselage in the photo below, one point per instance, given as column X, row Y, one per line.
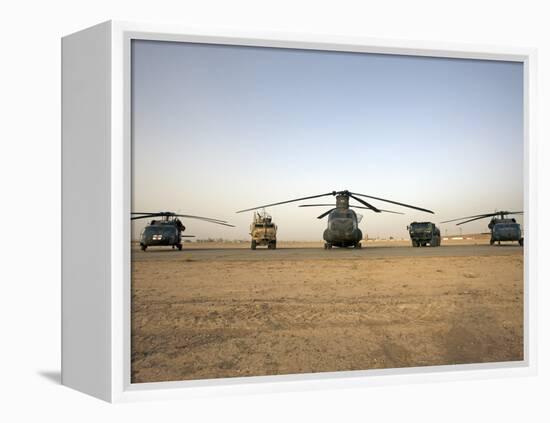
column 161, row 233
column 342, row 228
column 505, row 230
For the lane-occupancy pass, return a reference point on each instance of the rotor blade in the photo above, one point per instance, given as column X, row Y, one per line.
column 287, row 201
column 470, row 217
column 382, row 210
column 144, row 217
column 325, row 213
column 357, row 207
column 200, row 217
column 370, row 206
column 471, row 220
column 170, row 214
column 393, row 202
column 218, row 223
column 162, row 213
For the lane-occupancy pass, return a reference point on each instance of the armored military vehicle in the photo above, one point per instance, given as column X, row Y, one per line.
column 424, row 233
column 263, row 231
column 502, row 227
column 342, row 222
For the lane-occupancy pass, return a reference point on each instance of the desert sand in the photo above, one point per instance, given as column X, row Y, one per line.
column 202, row 314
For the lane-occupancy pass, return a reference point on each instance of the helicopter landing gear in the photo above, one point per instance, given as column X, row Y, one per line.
column 358, row 245
column 143, row 247
column 521, row 242
column 328, row 246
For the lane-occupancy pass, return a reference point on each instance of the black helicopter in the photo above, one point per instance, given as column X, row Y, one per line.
column 168, row 230
column 502, row 228
column 342, row 228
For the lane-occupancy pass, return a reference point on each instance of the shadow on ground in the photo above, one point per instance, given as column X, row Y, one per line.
column 54, row 376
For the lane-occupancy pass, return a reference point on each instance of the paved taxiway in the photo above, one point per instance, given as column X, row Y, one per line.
column 291, row 254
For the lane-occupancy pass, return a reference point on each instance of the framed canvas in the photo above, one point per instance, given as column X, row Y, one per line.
column 187, row 152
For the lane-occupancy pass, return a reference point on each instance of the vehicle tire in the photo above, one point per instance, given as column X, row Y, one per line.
column 143, row 247
column 358, row 245
column 274, row 245
column 492, row 241
column 253, row 244
column 328, row 246
column 521, row 242
column 179, row 246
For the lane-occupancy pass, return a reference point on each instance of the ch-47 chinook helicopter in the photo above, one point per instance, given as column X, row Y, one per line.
column 342, row 227
column 168, row 230
column 502, row 228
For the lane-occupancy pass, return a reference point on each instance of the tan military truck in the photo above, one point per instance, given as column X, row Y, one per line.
column 263, row 231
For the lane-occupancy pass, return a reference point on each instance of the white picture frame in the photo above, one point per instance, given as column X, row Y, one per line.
column 96, row 189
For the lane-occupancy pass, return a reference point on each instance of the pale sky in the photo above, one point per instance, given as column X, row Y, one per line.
column 217, row 129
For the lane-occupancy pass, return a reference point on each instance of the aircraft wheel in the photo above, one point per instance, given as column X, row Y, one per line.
column 253, row 244
column 521, row 242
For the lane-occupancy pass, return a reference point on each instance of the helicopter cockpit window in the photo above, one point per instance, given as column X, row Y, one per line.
column 507, row 225
column 342, row 220
column 162, row 230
